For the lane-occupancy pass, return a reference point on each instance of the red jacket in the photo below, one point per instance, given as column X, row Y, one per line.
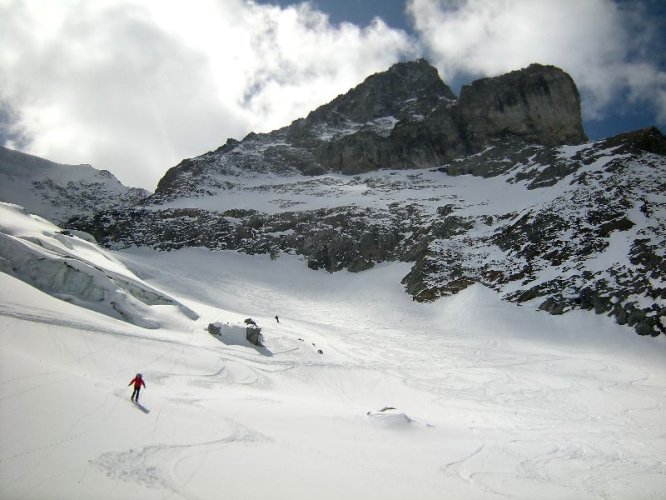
column 138, row 382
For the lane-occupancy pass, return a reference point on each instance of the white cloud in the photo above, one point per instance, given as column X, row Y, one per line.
column 600, row 45
column 134, row 86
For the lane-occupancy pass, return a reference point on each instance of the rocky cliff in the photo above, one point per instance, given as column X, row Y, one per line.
column 539, row 104
column 405, row 118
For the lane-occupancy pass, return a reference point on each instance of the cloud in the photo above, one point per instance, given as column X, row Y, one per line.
column 134, row 86
column 605, row 48
column 301, row 57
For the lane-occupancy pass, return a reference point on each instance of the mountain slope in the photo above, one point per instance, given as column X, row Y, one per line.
column 567, row 227
column 548, row 218
column 59, row 192
column 360, row 390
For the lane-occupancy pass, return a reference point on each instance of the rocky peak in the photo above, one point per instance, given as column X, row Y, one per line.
column 405, row 89
column 540, row 104
column 405, row 117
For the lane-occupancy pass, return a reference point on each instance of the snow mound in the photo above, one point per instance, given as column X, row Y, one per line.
column 73, row 268
column 390, row 417
column 232, row 334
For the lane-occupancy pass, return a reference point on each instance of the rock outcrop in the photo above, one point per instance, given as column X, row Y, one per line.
column 253, row 335
column 539, row 104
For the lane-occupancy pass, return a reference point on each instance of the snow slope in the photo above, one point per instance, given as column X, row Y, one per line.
column 58, row 191
column 468, row 397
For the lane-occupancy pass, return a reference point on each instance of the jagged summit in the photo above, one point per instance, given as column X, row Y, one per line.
column 405, row 91
column 405, row 117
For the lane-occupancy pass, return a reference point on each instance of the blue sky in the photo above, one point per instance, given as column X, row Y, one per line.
column 134, row 86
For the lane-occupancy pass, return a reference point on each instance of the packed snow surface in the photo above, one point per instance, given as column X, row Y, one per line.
column 468, row 397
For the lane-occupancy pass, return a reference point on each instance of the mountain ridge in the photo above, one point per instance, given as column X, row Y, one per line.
column 405, row 117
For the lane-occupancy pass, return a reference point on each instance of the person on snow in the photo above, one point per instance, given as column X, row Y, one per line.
column 138, row 382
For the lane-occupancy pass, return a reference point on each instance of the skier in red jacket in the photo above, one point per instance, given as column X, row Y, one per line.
column 138, row 382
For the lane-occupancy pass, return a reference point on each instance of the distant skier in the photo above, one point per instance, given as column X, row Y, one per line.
column 138, row 382
column 276, row 318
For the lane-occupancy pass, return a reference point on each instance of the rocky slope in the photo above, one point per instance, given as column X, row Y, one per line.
column 59, row 192
column 567, row 227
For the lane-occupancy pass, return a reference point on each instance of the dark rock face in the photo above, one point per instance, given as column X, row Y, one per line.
column 331, row 240
column 404, row 118
column 539, row 104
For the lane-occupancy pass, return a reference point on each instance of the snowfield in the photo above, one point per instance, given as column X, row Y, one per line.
column 468, row 397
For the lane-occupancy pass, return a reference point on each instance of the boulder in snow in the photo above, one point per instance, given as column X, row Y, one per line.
column 253, row 335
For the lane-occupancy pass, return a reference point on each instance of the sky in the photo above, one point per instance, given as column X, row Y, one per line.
column 135, row 86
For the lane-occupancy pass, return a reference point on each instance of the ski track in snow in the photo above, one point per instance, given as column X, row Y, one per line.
column 157, row 466
column 489, row 405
